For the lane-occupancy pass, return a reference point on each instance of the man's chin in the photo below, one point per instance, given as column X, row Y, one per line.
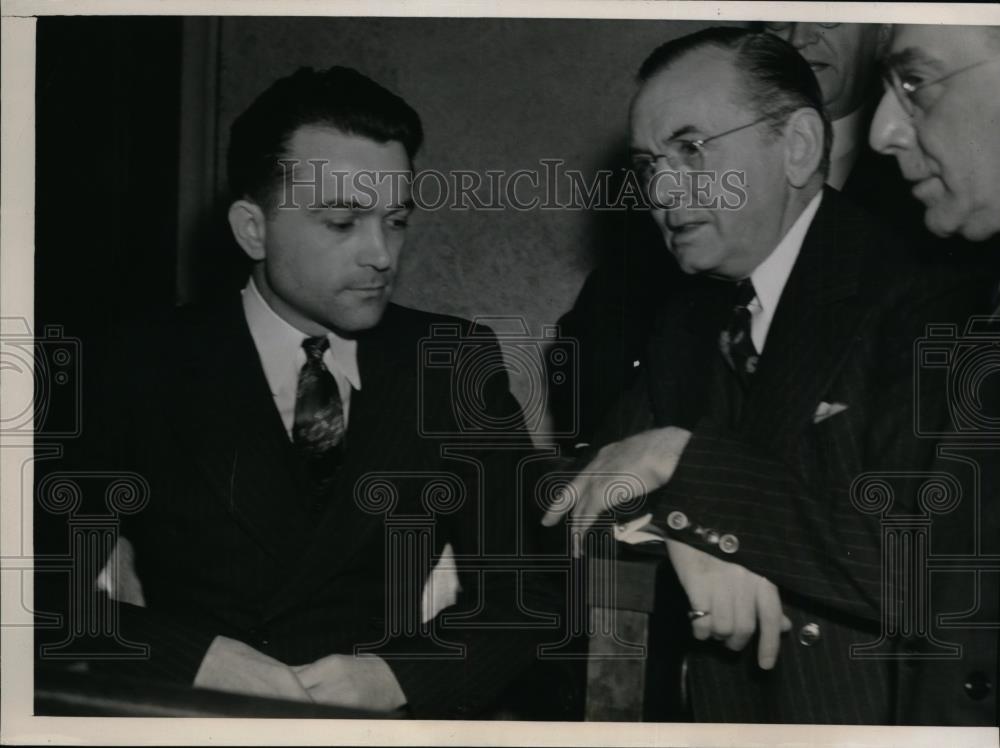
column 941, row 221
column 982, row 227
column 359, row 319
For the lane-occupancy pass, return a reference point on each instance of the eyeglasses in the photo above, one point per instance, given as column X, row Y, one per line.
column 682, row 153
column 908, row 86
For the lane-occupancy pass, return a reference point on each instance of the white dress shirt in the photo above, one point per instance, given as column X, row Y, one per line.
column 279, row 346
column 848, row 140
column 770, row 277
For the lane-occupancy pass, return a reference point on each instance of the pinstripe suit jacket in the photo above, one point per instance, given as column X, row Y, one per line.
column 769, row 488
column 234, row 543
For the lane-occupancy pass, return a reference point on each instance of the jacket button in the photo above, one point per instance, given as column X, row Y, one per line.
column 677, row 520
column 810, row 634
column 977, row 685
column 729, row 543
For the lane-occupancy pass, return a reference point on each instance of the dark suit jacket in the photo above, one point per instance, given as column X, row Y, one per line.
column 233, row 542
column 960, row 687
column 769, row 488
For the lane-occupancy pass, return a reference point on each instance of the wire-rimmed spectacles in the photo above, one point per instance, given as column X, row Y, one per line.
column 682, row 153
column 907, row 86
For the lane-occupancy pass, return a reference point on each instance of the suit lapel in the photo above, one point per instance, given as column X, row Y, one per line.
column 812, row 328
column 227, row 415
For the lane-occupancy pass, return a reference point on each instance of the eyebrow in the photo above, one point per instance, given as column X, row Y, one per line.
column 354, row 205
column 911, row 56
column 685, row 130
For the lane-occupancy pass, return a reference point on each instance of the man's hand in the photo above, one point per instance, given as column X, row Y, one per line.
column 620, row 472
column 231, row 665
column 737, row 601
column 356, row 682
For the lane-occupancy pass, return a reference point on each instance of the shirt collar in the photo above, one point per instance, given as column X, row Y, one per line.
column 769, row 278
column 279, row 344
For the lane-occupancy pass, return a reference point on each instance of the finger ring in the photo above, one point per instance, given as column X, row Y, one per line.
column 694, row 614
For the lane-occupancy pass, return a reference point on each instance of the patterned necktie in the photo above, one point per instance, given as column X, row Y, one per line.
column 735, row 341
column 318, row 430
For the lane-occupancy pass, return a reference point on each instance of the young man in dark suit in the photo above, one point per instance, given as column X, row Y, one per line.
column 779, row 374
column 306, row 459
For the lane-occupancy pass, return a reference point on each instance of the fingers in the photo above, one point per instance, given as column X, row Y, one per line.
column 721, row 608
column 744, row 620
column 564, row 501
column 700, row 598
column 772, row 623
column 618, row 473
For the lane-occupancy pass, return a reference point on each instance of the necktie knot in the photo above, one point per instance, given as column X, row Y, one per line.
column 745, row 293
column 316, row 347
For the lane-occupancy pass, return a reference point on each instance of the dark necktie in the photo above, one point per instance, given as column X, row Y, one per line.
column 318, row 430
column 735, row 341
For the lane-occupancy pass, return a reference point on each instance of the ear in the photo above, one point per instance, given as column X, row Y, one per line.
column 803, row 146
column 249, row 226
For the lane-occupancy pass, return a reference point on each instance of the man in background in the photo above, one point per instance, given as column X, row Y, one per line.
column 845, row 58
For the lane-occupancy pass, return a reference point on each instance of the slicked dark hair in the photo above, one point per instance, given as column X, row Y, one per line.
column 339, row 97
column 778, row 80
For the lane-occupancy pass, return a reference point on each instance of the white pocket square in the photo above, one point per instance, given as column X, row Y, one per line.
column 824, row 410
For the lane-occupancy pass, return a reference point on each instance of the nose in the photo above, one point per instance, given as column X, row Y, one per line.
column 667, row 188
column 376, row 252
column 891, row 129
column 801, row 34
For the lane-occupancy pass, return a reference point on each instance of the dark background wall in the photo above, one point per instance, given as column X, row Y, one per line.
column 133, row 117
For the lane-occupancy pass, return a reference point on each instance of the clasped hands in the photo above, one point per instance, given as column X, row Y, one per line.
column 737, row 602
column 335, row 680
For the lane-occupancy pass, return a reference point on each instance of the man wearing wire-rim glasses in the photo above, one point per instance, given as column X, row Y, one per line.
column 940, row 117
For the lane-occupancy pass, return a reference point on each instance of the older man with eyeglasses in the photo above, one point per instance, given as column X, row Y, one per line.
column 778, row 374
column 940, row 117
